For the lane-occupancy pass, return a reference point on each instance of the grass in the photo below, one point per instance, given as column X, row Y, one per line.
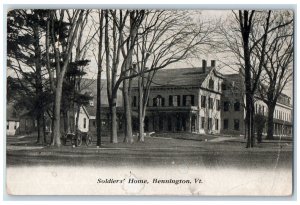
column 185, row 136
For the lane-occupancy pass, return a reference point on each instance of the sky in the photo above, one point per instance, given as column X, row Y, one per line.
column 206, row 15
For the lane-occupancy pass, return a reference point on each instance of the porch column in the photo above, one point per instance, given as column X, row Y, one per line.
column 189, row 123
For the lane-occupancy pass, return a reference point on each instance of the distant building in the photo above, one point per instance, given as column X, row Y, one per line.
column 18, row 121
column 12, row 120
column 183, row 100
column 233, row 108
column 87, row 117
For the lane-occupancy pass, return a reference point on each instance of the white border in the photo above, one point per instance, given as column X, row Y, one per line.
column 211, row 4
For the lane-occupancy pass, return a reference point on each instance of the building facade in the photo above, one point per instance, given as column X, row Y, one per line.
column 233, row 109
column 183, row 100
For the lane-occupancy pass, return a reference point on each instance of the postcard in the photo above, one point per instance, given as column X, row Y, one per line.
column 157, row 102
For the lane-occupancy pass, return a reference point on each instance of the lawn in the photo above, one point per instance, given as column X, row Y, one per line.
column 157, row 150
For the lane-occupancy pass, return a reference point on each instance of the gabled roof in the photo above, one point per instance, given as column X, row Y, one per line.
column 180, row 77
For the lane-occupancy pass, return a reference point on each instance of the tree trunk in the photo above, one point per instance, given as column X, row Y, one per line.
column 56, row 128
column 127, row 107
column 98, row 112
column 114, row 127
column 65, row 118
column 44, row 129
column 39, row 139
column 52, row 124
column 249, row 122
column 38, row 80
column 141, row 108
column 270, row 123
column 252, row 122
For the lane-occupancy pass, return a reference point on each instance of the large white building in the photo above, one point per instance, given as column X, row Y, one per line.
column 183, row 100
column 233, row 112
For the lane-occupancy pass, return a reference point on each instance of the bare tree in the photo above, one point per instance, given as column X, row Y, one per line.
column 100, row 59
column 115, row 38
column 167, row 37
column 62, row 50
column 247, row 39
column 277, row 67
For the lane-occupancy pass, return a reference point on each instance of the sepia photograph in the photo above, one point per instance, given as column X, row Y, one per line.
column 149, row 102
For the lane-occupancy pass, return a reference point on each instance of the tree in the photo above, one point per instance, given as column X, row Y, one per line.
column 115, row 38
column 277, row 66
column 167, row 37
column 247, row 39
column 25, row 57
column 99, row 63
column 63, row 37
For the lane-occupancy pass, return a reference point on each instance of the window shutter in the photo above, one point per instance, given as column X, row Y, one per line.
column 184, row 100
column 154, row 102
column 192, row 100
column 178, row 100
column 170, row 100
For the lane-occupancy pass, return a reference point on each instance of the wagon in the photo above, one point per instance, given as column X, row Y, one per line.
column 77, row 140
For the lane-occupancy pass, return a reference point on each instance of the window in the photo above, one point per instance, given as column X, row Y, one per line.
column 210, row 103
column 158, row 101
column 211, row 84
column 15, row 127
column 171, row 100
column 226, row 106
column 7, row 126
column 236, row 124
column 188, row 100
column 84, row 123
column 259, row 109
column 224, row 87
column 202, row 122
column 91, row 102
column 218, row 104
column 217, row 124
column 225, row 124
column 237, row 106
column 263, row 110
column 134, row 101
column 174, row 100
column 94, row 123
column 203, row 101
column 209, row 124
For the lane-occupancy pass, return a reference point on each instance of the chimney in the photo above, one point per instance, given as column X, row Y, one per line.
column 213, row 63
column 204, row 65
